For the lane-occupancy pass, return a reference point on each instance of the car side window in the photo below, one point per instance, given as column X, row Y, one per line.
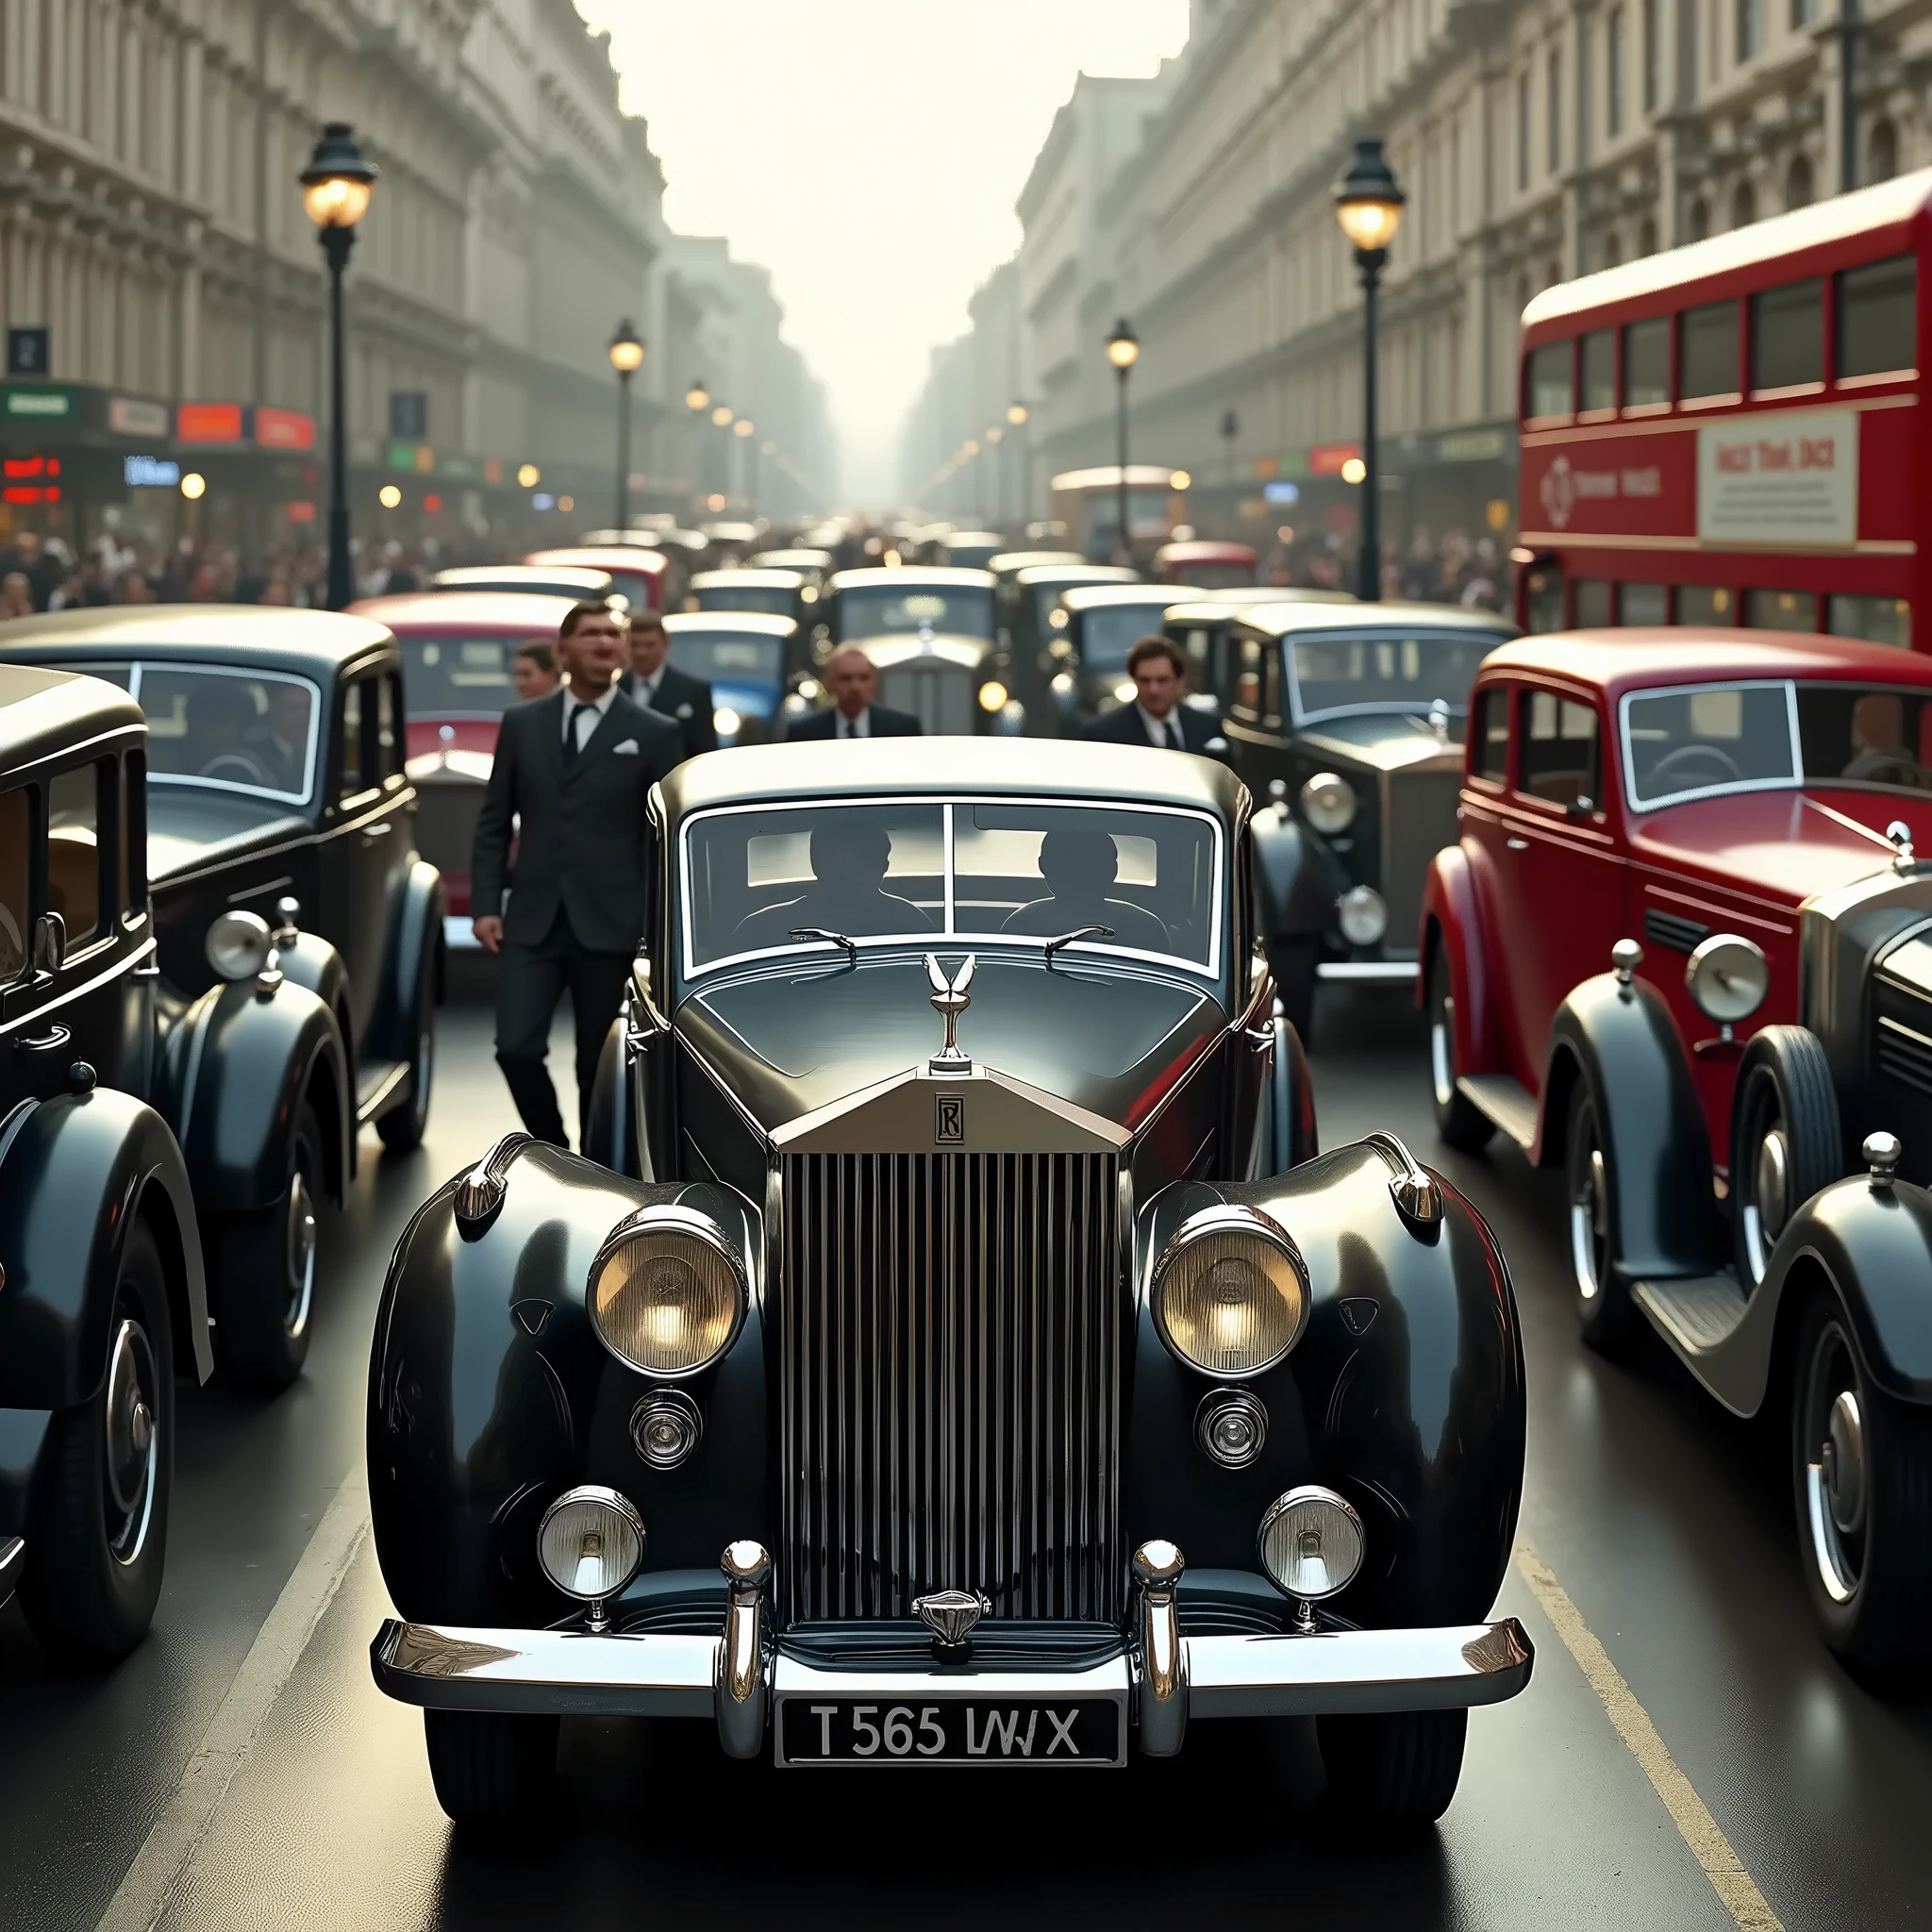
column 133, row 835
column 74, row 820
column 1561, row 756
column 389, row 727
column 354, row 763
column 16, row 818
column 1247, row 690
column 1272, row 707
column 1489, row 734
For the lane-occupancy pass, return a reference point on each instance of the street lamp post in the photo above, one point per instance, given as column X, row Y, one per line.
column 336, row 188
column 697, row 399
column 744, row 429
column 1230, row 428
column 626, row 353
column 1368, row 204
column 1122, row 350
column 1016, row 418
column 994, row 437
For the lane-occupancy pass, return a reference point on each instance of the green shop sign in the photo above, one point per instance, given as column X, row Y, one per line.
column 39, row 402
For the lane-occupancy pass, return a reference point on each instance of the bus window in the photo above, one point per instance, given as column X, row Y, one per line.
column 1643, row 604
column 1600, row 370
column 1704, row 604
column 1647, row 362
column 1708, row 351
column 1876, row 317
column 1788, row 336
column 1551, row 387
column 1545, row 599
column 1877, row 620
column 1781, row 609
column 1592, row 604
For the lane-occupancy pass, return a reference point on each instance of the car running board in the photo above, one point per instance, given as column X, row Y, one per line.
column 376, row 1088
column 1720, row 1334
column 1507, row 1101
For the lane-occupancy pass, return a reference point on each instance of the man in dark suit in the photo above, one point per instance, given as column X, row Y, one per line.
column 1157, row 717
column 652, row 679
column 854, row 684
column 573, row 775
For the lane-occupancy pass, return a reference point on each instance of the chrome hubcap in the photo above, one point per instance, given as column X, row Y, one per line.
column 301, row 1256
column 133, row 1441
column 1589, row 1226
column 1768, row 1201
column 1442, row 1066
column 1835, row 1478
column 1843, row 1463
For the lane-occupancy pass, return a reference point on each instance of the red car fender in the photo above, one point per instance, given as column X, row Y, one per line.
column 1452, row 923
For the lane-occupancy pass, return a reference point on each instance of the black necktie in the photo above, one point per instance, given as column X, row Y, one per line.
column 570, row 729
column 1174, row 735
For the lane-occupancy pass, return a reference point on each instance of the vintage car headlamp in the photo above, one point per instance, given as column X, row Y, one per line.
column 992, row 694
column 1312, row 1543
column 1363, row 915
column 668, row 1292
column 1328, row 802
column 1230, row 1294
column 1728, row 978
column 591, row 1542
column 1057, row 620
column 238, row 944
column 725, row 721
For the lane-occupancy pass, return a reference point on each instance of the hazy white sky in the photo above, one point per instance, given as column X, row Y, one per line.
column 868, row 153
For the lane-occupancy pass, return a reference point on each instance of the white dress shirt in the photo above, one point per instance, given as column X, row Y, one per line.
column 644, row 689
column 859, row 726
column 1156, row 729
column 576, row 714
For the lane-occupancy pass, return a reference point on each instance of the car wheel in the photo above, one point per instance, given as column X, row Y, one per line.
column 1396, row 1767
column 401, row 1129
column 490, row 1768
column 1459, row 1122
column 98, row 1522
column 264, row 1285
column 1861, row 1467
column 1602, row 1302
column 1294, row 962
column 1785, row 1141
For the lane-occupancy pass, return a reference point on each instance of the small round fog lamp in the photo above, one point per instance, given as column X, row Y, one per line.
column 1231, row 1427
column 1312, row 1543
column 665, row 1427
column 590, row 1543
column 238, row 944
column 1362, row 914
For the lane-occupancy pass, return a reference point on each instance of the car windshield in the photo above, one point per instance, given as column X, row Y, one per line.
column 1109, row 631
column 458, row 677
column 1699, row 739
column 250, row 731
column 884, row 610
column 776, row 600
column 718, row 658
column 1386, row 670
column 964, row 869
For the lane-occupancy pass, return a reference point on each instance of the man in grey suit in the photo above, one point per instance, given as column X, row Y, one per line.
column 572, row 776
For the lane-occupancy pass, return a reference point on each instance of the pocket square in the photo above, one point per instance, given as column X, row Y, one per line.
column 628, row 749
column 684, row 710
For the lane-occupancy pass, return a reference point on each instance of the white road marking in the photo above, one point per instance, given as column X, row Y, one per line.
column 1689, row 1812
column 183, row 1822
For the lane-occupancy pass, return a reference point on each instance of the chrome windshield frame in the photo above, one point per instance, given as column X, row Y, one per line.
column 1735, row 788
column 1377, row 634
column 201, row 669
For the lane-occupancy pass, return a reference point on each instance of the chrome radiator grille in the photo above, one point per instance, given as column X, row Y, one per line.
column 950, row 1344
column 941, row 699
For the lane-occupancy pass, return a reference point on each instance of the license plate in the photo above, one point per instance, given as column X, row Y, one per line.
column 951, row 1730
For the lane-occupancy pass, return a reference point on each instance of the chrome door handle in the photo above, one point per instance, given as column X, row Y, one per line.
column 381, row 831
column 1517, row 845
column 50, row 1041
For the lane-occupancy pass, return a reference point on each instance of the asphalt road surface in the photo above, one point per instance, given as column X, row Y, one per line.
column 1687, row 1756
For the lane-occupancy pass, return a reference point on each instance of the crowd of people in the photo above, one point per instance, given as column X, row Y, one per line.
column 1454, row 568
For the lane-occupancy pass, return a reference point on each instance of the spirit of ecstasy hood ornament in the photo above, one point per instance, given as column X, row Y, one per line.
column 950, row 1615
column 950, row 999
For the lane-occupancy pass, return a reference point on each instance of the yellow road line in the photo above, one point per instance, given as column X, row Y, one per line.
column 1689, row 1813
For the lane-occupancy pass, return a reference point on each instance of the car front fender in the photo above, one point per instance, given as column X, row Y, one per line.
column 1452, row 925
column 415, row 930
column 1296, row 880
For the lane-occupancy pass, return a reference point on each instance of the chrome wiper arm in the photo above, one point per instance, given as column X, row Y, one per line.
column 819, row 932
column 1079, row 932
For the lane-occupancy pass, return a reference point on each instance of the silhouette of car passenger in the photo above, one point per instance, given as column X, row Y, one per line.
column 849, row 858
column 220, row 716
column 1079, row 868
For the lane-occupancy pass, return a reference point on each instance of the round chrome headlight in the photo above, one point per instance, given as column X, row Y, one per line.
column 1230, row 1294
column 1312, row 1543
column 591, row 1542
column 1328, row 802
column 992, row 695
column 1728, row 978
column 238, row 944
column 1362, row 914
column 668, row 1292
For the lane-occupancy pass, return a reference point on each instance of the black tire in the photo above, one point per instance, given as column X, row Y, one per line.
column 401, row 1129
column 97, row 1533
column 1459, row 1122
column 1392, row 1769
column 1861, row 1469
column 1785, row 1141
column 1294, row 962
column 490, row 1768
column 264, row 1287
column 1604, row 1312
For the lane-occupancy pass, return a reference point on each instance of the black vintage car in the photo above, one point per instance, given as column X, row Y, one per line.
column 1203, row 625
column 1035, row 626
column 930, row 633
column 961, row 1256
column 792, row 593
column 276, row 788
column 140, row 1124
column 1350, row 718
column 747, row 659
column 1100, row 624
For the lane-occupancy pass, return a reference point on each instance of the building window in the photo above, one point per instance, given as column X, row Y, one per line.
column 1555, row 109
column 1614, row 57
column 1803, row 12
column 1750, row 28
column 1743, row 205
column 1882, row 163
column 1798, row 183
column 1521, row 131
column 1652, row 57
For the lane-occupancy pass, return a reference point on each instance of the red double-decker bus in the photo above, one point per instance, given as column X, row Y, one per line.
column 1734, row 431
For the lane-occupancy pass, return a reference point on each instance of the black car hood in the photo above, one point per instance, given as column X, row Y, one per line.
column 190, row 827
column 790, row 1040
column 1390, row 741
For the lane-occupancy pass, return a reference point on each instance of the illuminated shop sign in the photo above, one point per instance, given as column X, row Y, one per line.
column 150, row 473
column 30, row 479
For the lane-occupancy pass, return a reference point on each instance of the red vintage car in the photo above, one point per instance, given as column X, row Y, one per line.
column 637, row 574
column 1206, row 563
column 1729, row 821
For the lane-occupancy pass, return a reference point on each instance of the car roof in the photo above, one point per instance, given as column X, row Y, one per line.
column 1078, row 769
column 1011, row 561
column 1279, row 618
column 1198, row 549
column 1621, row 660
column 939, row 575
column 528, row 613
column 44, row 713
column 804, row 557
column 508, row 575
column 592, row 557
column 756, row 580
column 319, row 640
column 763, row 623
column 1223, row 606
column 1097, row 596
column 1090, row 576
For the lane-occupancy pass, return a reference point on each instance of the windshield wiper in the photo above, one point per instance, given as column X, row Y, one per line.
column 1079, row 932
column 819, row 932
